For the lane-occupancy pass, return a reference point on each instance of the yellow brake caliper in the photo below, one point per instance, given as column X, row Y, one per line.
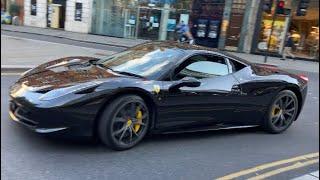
column 276, row 111
column 139, row 117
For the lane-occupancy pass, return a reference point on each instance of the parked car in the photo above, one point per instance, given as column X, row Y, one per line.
column 6, row 18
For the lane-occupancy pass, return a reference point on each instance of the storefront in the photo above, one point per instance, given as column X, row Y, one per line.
column 304, row 30
column 157, row 19
column 70, row 15
column 147, row 19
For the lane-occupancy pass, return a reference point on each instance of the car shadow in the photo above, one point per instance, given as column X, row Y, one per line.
column 204, row 134
column 93, row 145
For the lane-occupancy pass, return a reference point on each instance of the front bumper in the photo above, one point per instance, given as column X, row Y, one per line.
column 50, row 121
column 30, row 124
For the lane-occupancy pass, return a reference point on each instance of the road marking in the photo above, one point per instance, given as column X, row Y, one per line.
column 11, row 74
column 284, row 169
column 268, row 165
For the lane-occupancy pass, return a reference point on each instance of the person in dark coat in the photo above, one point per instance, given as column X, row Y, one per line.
column 287, row 51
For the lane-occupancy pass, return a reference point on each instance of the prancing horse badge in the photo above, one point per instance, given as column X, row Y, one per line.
column 156, row 89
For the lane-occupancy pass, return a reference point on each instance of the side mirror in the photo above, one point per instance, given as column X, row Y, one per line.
column 185, row 82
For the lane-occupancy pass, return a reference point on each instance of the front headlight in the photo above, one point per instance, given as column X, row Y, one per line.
column 68, row 90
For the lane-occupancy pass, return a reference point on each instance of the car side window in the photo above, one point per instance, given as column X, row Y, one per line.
column 236, row 66
column 202, row 66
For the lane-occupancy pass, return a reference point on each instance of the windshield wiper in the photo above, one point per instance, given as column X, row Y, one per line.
column 93, row 61
column 119, row 72
column 127, row 73
column 103, row 66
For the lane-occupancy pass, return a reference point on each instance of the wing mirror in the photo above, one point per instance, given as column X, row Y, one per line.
column 185, row 82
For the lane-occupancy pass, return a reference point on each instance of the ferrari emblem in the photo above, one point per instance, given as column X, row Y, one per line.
column 156, row 89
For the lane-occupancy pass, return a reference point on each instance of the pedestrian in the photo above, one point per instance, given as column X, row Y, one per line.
column 287, row 51
column 183, row 31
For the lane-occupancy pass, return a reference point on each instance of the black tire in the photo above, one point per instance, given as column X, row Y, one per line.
column 110, row 120
column 277, row 119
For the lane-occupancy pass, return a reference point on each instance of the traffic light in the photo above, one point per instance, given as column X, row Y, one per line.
column 280, row 7
column 302, row 7
column 267, row 6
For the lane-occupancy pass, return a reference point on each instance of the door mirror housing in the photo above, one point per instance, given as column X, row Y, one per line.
column 185, row 82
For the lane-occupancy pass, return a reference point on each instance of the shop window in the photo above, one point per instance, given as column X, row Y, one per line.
column 280, row 25
column 305, row 32
column 278, row 35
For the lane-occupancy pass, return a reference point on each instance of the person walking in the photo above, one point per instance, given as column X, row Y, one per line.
column 287, row 51
column 183, row 31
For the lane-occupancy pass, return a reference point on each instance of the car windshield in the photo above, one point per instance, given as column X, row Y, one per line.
column 148, row 60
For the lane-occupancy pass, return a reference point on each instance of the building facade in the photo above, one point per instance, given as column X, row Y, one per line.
column 234, row 25
column 213, row 23
column 70, row 15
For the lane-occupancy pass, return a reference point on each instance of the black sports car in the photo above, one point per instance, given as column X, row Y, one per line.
column 157, row 87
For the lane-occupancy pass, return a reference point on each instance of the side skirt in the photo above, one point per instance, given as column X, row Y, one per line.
column 208, row 128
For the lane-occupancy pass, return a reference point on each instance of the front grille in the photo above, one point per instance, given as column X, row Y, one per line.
column 22, row 114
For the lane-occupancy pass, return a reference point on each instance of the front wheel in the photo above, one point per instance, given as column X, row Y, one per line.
column 282, row 112
column 124, row 122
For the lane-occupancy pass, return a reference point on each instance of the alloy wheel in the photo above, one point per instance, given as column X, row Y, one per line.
column 130, row 123
column 283, row 111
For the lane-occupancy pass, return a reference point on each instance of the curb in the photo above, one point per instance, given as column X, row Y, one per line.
column 15, row 68
column 18, row 68
column 73, row 39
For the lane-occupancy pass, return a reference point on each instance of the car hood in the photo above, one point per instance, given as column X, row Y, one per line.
column 65, row 72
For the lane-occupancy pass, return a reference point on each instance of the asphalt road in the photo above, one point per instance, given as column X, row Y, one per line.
column 17, row 51
column 203, row 155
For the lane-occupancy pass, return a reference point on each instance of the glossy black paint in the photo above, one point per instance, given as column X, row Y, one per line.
column 239, row 98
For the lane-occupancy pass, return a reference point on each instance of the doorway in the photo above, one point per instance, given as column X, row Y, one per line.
column 56, row 13
column 149, row 23
column 234, row 28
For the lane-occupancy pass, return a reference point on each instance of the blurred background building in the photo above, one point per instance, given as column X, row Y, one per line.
column 234, row 25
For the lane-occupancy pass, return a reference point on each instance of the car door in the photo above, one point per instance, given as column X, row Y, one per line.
column 210, row 103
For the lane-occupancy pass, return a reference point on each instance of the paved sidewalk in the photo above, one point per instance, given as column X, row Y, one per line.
column 113, row 41
column 301, row 65
column 310, row 176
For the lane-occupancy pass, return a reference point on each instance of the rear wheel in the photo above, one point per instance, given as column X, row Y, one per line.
column 124, row 122
column 282, row 112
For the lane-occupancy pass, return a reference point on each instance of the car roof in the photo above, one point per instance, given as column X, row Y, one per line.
column 190, row 49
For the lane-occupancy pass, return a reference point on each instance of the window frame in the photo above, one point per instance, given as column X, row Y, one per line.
column 167, row 76
column 171, row 72
column 232, row 59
